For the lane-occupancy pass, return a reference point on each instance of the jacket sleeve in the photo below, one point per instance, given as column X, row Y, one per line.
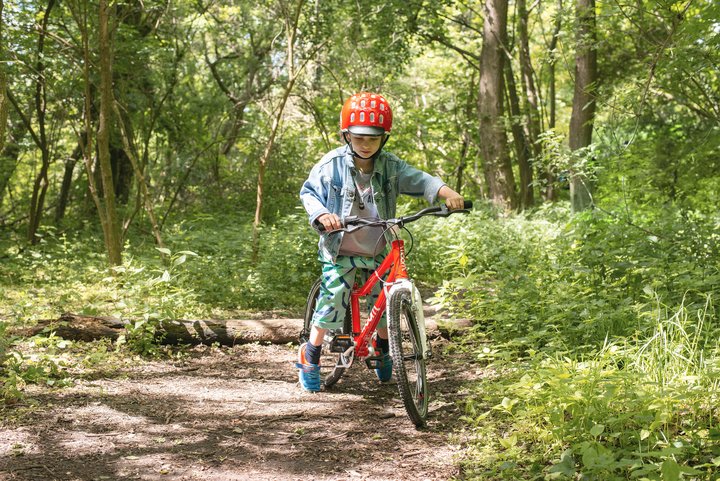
column 415, row 182
column 313, row 195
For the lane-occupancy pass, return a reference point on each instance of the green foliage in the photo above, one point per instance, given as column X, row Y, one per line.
column 39, row 361
column 603, row 335
column 207, row 270
column 621, row 413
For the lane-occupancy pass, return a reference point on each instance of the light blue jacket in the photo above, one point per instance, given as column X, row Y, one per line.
column 330, row 189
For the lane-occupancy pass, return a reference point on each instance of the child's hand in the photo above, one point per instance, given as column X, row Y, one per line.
column 452, row 199
column 331, row 222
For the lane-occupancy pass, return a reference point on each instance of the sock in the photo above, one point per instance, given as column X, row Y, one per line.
column 382, row 344
column 312, row 353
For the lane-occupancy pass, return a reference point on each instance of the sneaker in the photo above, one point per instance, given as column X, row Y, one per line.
column 309, row 373
column 384, row 372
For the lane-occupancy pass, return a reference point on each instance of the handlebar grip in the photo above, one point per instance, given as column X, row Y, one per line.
column 468, row 204
column 349, row 220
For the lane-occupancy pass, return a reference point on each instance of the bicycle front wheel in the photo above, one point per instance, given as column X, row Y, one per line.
column 408, row 357
column 335, row 361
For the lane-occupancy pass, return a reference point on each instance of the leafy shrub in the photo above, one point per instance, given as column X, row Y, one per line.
column 605, row 336
column 41, row 364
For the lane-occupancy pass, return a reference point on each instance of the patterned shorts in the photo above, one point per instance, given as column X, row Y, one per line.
column 337, row 282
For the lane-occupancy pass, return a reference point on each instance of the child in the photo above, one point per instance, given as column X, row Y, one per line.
column 364, row 180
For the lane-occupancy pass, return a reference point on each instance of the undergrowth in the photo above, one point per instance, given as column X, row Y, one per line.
column 205, row 270
column 603, row 333
column 606, row 336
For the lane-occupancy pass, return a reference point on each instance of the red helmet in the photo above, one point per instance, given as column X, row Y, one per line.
column 366, row 113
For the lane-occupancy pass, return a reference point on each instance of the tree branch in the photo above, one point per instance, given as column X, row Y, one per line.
column 471, row 58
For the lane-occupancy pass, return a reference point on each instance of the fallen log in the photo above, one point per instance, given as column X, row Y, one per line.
column 224, row 332
column 228, row 332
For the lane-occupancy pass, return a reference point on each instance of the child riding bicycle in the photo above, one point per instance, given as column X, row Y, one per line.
column 359, row 179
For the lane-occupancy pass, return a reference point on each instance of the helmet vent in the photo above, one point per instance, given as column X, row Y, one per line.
column 369, row 112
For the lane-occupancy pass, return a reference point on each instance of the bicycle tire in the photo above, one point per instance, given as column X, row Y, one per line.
column 339, row 360
column 408, row 357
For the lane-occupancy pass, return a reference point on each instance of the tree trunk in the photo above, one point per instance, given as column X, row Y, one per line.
column 131, row 151
column 121, row 168
column 291, row 26
column 467, row 139
column 4, row 102
column 41, row 183
column 262, row 167
column 549, row 174
column 493, row 138
column 551, row 64
column 532, row 108
column 10, row 156
column 583, row 109
column 79, row 11
column 64, row 196
column 111, row 227
column 522, row 149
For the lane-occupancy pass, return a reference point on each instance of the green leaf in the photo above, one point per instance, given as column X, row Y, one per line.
column 509, row 442
column 670, row 470
column 597, row 430
column 566, row 466
column 164, row 250
column 508, row 403
column 589, row 456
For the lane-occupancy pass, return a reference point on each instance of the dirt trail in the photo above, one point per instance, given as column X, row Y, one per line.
column 234, row 414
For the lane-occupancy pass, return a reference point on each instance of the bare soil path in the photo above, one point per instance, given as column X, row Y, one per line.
column 234, row 414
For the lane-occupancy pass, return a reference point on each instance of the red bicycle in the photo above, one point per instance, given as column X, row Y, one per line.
column 409, row 347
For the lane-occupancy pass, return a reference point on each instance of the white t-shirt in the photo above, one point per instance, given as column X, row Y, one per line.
column 363, row 242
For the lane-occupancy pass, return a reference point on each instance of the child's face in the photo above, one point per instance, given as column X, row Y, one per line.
column 366, row 145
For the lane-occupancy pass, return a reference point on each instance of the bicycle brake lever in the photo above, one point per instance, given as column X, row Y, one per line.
column 443, row 212
column 349, row 220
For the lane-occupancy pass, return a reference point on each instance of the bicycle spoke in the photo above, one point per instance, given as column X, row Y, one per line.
column 405, row 348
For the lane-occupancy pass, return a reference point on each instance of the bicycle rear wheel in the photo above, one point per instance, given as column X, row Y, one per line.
column 337, row 361
column 408, row 357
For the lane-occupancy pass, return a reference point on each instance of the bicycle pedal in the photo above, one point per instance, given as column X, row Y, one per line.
column 340, row 343
column 374, row 362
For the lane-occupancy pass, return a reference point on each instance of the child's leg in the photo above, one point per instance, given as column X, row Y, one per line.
column 317, row 334
column 332, row 303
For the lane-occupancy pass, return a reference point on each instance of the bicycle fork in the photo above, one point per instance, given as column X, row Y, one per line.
column 416, row 306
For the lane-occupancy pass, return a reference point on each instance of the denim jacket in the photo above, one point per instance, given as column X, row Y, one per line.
column 330, row 189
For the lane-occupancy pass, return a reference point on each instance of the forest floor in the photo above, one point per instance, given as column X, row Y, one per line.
column 234, row 414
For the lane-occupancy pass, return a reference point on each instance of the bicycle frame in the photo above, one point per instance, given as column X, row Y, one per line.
column 394, row 262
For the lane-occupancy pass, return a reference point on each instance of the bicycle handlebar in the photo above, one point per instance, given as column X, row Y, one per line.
column 438, row 211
